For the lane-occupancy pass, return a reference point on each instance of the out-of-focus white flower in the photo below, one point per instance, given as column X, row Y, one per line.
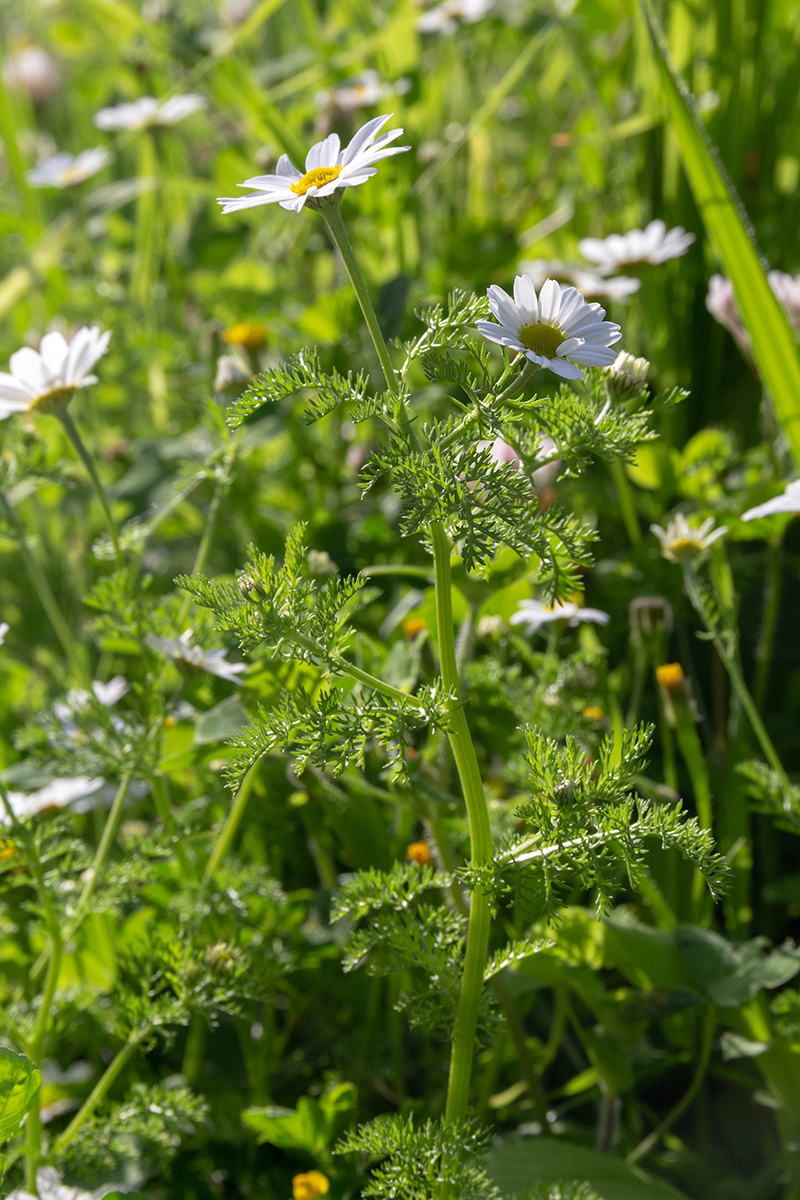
column 641, row 247
column 679, row 541
column 557, row 326
column 501, row 452
column 590, row 284
column 57, row 794
column 787, row 502
column 148, row 112
column 182, row 651
column 52, row 373
column 362, row 91
column 787, row 290
column 721, row 303
column 109, row 693
column 232, row 373
column 67, row 169
column 490, row 625
column 4, row 628
column 533, row 614
column 50, row 1187
column 627, row 375
column 447, row 16
column 237, row 11
column 32, row 70
column 327, row 168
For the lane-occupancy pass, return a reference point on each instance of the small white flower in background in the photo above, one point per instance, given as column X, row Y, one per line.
column 721, row 303
column 4, row 628
column 627, row 375
column 182, row 650
column 787, row 502
column 641, row 247
column 787, row 290
column 533, row 614
column 446, row 17
column 500, row 452
column 66, row 169
column 232, row 372
column 53, row 372
column 109, row 693
column 32, row 70
column 148, row 112
column 590, row 284
column 50, row 1187
column 490, row 625
column 556, row 326
column 362, row 91
column 57, row 794
column 680, row 541
column 237, row 11
column 327, row 168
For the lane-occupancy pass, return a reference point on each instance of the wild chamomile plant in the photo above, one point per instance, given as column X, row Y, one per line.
column 467, row 491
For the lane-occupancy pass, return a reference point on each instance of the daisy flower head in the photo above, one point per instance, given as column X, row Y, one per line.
column 627, row 376
column 556, row 329
column 787, row 502
column 327, row 168
column 185, row 653
column 58, row 794
column 533, row 614
column 4, row 628
column 681, row 543
column 148, row 112
column 52, row 373
column 64, row 170
column 641, row 247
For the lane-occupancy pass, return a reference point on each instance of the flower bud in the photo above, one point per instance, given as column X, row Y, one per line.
column 627, row 376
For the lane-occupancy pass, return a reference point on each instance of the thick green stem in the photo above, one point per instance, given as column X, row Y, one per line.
column 228, row 831
column 43, row 590
column 87, row 460
column 466, row 1023
column 100, row 1089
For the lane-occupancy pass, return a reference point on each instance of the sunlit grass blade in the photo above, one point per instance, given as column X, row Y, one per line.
column 774, row 345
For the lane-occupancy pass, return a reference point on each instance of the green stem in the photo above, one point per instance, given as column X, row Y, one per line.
column 737, row 679
column 164, row 810
column 766, row 641
column 626, row 504
column 100, row 1089
column 466, row 1022
column 106, row 841
column 43, row 590
column 332, row 216
column 74, row 436
column 228, row 831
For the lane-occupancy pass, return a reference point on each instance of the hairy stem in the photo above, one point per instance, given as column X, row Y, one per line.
column 74, row 436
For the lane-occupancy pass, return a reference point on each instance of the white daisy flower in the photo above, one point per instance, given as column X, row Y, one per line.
column 557, row 326
column 182, row 650
column 53, row 372
column 362, row 91
column 590, row 284
column 327, row 168
column 721, row 303
column 641, row 247
column 57, row 794
column 787, row 502
column 32, row 70
column 50, row 1187
column 787, row 290
column 446, row 17
column 66, row 169
column 680, row 541
column 4, row 628
column 627, row 375
column 148, row 112
column 533, row 614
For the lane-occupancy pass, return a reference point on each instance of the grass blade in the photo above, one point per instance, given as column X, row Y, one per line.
column 774, row 345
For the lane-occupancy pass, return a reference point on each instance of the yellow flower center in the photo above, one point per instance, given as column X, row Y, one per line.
column 316, row 178
column 73, row 174
column 670, row 676
column 686, row 547
column 541, row 339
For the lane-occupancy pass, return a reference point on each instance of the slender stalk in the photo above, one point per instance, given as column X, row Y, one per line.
column 107, row 840
column 223, row 483
column 74, row 436
column 737, row 679
column 100, row 1089
column 766, row 641
column 627, row 507
column 41, row 585
column 228, row 831
column 164, row 810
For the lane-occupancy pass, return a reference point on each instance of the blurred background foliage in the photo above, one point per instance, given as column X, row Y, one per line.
column 532, row 127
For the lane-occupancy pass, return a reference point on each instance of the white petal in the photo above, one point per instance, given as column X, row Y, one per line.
column 364, row 137
column 28, row 368
column 324, row 153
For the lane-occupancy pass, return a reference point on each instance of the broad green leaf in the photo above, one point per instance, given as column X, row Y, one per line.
column 774, row 345
column 516, row 1167
column 19, row 1083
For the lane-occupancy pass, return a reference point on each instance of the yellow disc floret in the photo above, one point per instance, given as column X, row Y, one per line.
column 316, row 178
column 541, row 339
